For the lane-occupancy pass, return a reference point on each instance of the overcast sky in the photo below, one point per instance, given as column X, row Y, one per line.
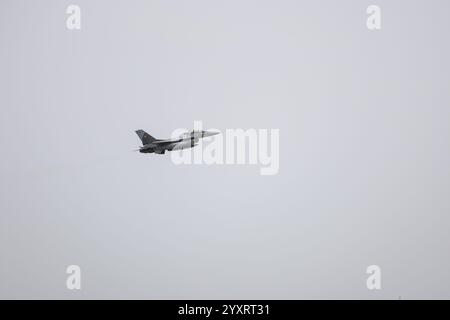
column 364, row 173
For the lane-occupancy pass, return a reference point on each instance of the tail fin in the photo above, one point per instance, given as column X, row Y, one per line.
column 145, row 137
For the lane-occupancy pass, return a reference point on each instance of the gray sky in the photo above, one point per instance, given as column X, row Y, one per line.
column 364, row 149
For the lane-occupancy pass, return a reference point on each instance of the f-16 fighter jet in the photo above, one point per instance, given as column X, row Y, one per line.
column 186, row 140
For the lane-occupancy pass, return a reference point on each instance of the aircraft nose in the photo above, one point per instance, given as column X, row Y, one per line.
column 210, row 133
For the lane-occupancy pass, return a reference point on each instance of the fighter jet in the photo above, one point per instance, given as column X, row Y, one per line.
column 186, row 140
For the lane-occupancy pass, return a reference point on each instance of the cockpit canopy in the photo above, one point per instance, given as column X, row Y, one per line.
column 192, row 134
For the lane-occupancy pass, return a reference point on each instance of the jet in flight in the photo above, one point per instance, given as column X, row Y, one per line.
column 186, row 140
